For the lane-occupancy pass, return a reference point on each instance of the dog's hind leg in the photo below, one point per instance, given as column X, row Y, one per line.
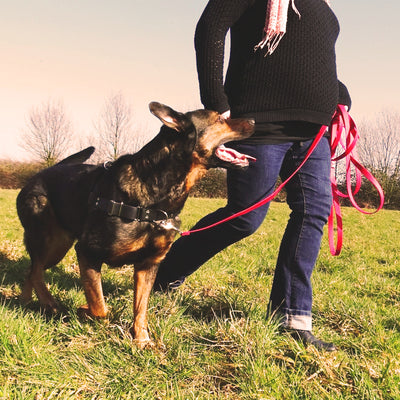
column 46, row 242
column 91, row 282
column 56, row 248
column 46, row 251
column 35, row 280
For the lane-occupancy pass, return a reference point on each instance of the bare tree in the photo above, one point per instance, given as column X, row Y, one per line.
column 379, row 144
column 379, row 151
column 49, row 132
column 113, row 127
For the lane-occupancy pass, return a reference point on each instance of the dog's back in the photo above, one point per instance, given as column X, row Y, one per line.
column 66, row 186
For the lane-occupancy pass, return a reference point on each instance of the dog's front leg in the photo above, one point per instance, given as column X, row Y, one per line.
column 91, row 282
column 144, row 278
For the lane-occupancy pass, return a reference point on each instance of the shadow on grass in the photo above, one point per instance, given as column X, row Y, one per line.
column 13, row 273
column 215, row 309
column 219, row 305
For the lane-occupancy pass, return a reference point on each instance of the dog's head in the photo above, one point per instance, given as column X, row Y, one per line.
column 206, row 133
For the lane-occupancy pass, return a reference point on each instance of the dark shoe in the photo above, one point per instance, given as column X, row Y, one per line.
column 308, row 338
column 167, row 286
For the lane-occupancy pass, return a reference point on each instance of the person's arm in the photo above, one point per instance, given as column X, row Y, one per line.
column 344, row 96
column 211, row 30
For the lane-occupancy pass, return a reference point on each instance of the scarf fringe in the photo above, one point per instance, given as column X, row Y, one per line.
column 271, row 40
column 275, row 24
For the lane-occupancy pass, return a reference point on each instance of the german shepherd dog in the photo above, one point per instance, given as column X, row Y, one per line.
column 124, row 212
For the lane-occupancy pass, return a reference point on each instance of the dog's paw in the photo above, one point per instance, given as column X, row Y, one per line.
column 26, row 294
column 142, row 340
column 25, row 299
column 49, row 309
column 144, row 343
column 53, row 309
column 84, row 312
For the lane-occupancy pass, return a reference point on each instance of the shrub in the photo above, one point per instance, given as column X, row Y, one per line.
column 212, row 185
column 14, row 175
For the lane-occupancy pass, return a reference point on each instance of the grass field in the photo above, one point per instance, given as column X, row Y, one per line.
column 212, row 338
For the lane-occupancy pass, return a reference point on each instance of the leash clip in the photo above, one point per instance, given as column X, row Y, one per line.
column 168, row 225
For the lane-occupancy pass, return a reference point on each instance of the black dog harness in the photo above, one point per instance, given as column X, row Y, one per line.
column 140, row 214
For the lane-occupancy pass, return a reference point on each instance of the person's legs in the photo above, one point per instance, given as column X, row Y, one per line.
column 309, row 197
column 245, row 187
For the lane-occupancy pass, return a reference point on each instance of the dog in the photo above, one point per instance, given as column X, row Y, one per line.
column 124, row 212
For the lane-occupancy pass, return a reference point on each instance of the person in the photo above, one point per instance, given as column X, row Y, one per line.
column 287, row 82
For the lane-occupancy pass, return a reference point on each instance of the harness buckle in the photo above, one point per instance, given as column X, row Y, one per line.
column 115, row 208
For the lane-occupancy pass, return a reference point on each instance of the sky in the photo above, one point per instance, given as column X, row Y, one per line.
column 81, row 52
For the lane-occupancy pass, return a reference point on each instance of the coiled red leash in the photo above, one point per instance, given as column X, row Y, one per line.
column 344, row 134
column 342, row 124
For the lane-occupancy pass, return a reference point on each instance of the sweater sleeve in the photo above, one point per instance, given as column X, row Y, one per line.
column 211, row 30
column 344, row 96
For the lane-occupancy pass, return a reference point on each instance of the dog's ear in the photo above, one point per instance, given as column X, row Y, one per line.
column 169, row 117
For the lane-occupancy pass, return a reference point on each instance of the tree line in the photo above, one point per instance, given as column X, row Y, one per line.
column 49, row 137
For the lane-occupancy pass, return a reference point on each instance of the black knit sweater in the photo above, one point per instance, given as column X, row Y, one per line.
column 298, row 82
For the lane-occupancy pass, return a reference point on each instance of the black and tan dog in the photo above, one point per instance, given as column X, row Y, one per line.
column 125, row 212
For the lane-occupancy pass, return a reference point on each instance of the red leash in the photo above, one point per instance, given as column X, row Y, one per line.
column 268, row 198
column 341, row 123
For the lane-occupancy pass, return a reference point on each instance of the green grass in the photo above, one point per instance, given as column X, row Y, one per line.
column 212, row 338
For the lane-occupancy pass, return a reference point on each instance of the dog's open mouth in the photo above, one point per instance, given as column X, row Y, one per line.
column 232, row 156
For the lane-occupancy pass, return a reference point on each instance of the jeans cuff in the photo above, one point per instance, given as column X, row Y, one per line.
column 290, row 321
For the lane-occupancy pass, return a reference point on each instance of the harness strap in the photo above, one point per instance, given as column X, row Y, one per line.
column 342, row 123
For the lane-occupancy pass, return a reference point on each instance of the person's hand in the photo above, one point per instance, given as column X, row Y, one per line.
column 226, row 114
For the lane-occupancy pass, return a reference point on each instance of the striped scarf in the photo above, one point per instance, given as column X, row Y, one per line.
column 275, row 23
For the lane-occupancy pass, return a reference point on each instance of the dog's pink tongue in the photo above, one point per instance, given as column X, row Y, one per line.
column 233, row 156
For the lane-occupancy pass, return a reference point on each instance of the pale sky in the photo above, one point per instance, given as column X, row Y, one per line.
column 81, row 52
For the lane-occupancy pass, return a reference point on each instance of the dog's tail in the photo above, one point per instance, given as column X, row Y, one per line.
column 78, row 158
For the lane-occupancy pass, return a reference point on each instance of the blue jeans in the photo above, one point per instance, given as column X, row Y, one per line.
column 308, row 196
